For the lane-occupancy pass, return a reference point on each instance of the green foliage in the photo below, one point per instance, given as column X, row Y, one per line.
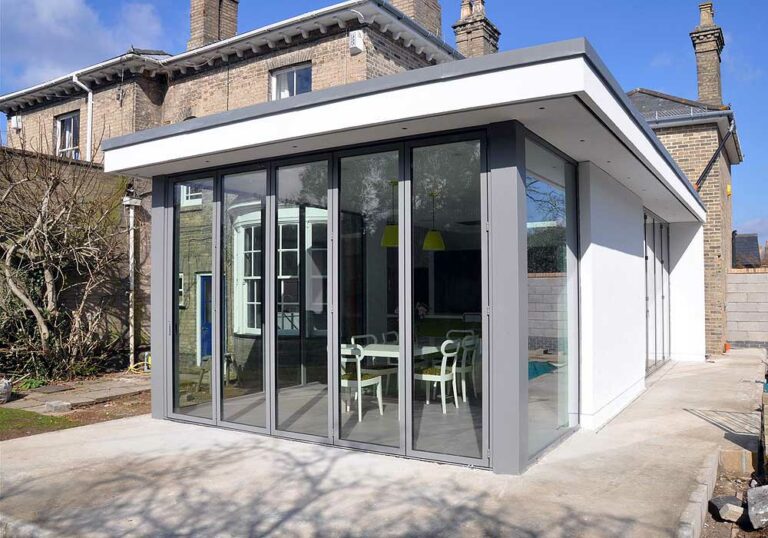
column 30, row 383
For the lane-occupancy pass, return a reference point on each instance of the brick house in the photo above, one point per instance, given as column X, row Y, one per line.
column 221, row 70
column 693, row 131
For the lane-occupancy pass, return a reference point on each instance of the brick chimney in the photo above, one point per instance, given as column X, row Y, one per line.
column 211, row 21
column 708, row 42
column 427, row 13
column 475, row 34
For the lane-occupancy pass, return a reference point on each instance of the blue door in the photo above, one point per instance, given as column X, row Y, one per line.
column 204, row 328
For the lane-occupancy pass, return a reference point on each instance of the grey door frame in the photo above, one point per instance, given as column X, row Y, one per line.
column 505, row 320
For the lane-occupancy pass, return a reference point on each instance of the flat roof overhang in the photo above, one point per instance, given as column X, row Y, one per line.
column 560, row 91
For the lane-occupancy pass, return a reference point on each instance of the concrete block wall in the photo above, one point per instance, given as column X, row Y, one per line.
column 748, row 308
column 547, row 311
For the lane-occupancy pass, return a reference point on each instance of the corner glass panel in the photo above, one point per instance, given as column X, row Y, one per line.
column 368, row 303
column 447, row 299
column 547, row 176
column 193, row 320
column 243, row 238
column 301, row 254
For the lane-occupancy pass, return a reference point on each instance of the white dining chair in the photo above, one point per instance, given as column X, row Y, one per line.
column 358, row 380
column 390, row 337
column 467, row 364
column 445, row 373
column 364, row 339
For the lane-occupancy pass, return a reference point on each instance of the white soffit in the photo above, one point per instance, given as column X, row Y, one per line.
column 563, row 101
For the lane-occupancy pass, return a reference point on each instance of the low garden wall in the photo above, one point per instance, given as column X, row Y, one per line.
column 747, row 307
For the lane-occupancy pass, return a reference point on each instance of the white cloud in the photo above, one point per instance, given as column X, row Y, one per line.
column 755, row 226
column 42, row 39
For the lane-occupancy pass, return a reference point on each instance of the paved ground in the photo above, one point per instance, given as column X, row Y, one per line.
column 85, row 392
column 140, row 476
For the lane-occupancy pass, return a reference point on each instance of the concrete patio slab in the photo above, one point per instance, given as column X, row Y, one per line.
column 83, row 393
column 141, row 476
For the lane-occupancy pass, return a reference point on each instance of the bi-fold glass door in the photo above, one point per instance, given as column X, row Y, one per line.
column 657, row 288
column 340, row 299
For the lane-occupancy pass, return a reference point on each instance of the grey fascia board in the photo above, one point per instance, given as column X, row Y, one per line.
column 603, row 72
column 549, row 52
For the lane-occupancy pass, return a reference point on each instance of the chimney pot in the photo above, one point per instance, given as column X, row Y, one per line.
column 476, row 35
column 708, row 43
column 706, row 14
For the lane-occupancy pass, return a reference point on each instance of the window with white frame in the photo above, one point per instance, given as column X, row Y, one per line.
column 289, row 304
column 291, row 81
column 191, row 195
column 248, row 278
column 68, row 135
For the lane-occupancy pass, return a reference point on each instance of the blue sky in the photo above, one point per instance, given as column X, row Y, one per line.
column 645, row 43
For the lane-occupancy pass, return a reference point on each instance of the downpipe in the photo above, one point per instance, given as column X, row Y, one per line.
column 89, row 124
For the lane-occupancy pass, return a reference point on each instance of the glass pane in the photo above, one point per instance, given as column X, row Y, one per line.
column 193, row 338
column 289, row 236
column 667, row 311
column 447, row 299
column 650, row 293
column 304, row 80
column 289, row 264
column 369, row 349
column 283, row 85
column 242, row 363
column 75, row 130
column 548, row 364
column 302, row 347
column 659, row 272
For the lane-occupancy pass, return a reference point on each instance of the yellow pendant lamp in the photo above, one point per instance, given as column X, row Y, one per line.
column 390, row 237
column 433, row 241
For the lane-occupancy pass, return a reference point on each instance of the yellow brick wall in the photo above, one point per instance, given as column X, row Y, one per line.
column 692, row 147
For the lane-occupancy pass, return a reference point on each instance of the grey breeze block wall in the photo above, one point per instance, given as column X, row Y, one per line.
column 547, row 311
column 747, row 305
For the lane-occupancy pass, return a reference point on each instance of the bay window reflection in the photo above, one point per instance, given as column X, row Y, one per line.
column 243, row 238
column 548, row 177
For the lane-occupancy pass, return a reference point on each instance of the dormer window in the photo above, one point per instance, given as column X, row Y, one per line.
column 291, row 81
column 68, row 135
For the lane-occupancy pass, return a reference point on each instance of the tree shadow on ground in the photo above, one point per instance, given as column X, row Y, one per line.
column 266, row 487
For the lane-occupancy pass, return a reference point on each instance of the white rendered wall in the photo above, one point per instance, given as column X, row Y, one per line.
column 686, row 281
column 612, row 306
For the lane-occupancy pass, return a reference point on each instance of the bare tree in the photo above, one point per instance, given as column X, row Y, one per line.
column 60, row 250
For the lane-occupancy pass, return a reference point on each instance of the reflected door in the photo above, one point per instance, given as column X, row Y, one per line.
column 193, row 373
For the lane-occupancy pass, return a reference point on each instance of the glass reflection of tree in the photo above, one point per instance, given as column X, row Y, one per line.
column 546, row 243
column 449, row 170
